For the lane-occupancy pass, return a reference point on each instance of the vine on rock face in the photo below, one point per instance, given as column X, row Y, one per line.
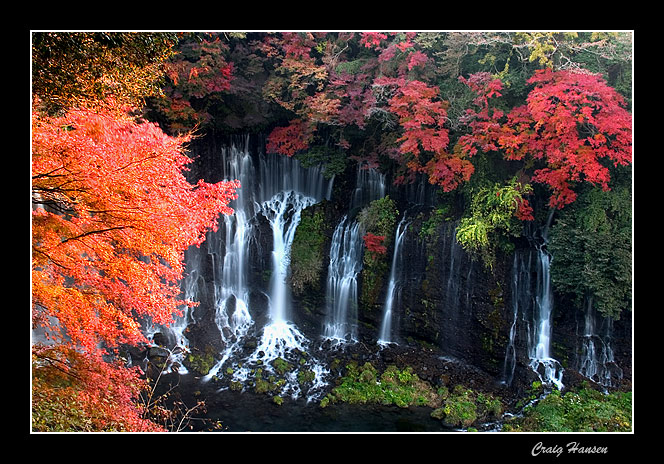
column 495, row 212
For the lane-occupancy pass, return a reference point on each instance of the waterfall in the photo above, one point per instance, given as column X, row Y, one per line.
column 346, row 252
column 596, row 359
column 283, row 213
column 226, row 249
column 285, row 190
column 341, row 291
column 229, row 249
column 369, row 186
column 279, row 189
column 393, row 288
column 173, row 335
column 532, row 308
column 520, row 289
column 280, row 174
column 549, row 369
column 456, row 309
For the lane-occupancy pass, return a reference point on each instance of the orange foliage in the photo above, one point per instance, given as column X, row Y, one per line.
column 75, row 391
column 113, row 216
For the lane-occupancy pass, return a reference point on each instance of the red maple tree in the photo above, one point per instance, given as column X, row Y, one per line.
column 572, row 122
column 374, row 243
column 112, row 216
column 290, row 139
column 425, row 138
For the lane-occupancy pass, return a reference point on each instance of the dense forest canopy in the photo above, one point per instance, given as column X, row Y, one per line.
column 507, row 124
column 429, row 104
column 511, row 126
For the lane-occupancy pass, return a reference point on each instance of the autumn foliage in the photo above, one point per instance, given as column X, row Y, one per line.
column 73, row 391
column 289, row 140
column 113, row 214
column 113, row 211
column 375, row 243
column 571, row 125
column 387, row 85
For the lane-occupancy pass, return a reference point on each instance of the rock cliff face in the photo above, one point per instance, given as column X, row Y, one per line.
column 448, row 307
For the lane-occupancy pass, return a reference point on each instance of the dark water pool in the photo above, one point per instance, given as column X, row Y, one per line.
column 247, row 412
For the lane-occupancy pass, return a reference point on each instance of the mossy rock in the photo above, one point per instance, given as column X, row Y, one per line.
column 201, row 361
column 282, row 366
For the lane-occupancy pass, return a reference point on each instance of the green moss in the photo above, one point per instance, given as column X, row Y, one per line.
column 363, row 384
column 464, row 407
column 378, row 218
column 281, row 365
column 306, row 254
column 235, row 386
column 428, row 231
column 201, row 361
column 583, row 410
column 305, row 376
column 460, row 409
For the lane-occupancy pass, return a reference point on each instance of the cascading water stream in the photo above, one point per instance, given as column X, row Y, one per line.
column 346, row 252
column 279, row 335
column 596, row 359
column 174, row 333
column 229, row 246
column 520, row 281
column 385, row 337
column 369, row 186
column 341, row 291
column 532, row 304
column 226, row 250
column 285, row 190
column 541, row 361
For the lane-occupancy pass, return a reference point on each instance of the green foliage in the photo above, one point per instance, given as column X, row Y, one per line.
column 380, row 217
column 591, row 245
column 464, row 407
column 307, row 252
column 585, row 410
column 460, row 409
column 351, row 67
column 543, row 45
column 492, row 217
column 363, row 384
column 431, row 224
